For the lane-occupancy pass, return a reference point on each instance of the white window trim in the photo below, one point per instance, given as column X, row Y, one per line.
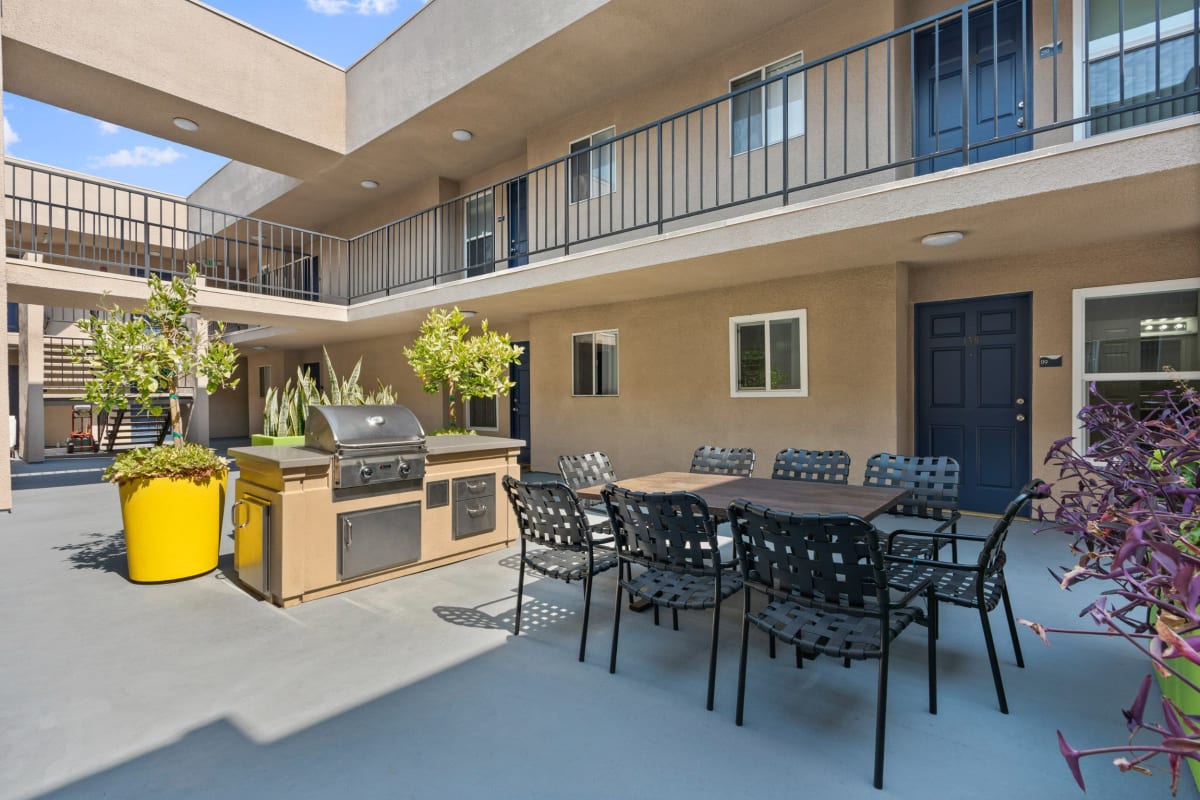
column 488, row 233
column 797, row 314
column 761, row 73
column 616, row 335
column 1079, row 68
column 612, row 184
column 1081, row 379
column 496, row 401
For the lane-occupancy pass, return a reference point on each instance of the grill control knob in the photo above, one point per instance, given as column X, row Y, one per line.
column 366, row 473
column 404, row 468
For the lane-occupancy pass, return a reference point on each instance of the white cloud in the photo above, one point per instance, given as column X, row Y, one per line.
column 10, row 135
column 140, row 156
column 334, row 7
column 107, row 128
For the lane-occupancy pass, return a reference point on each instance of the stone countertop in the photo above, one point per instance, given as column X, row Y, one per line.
column 297, row 457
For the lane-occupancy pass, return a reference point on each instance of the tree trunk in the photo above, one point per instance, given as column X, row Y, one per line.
column 453, row 412
column 176, row 419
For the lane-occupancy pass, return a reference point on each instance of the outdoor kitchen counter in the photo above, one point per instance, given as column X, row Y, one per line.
column 296, row 538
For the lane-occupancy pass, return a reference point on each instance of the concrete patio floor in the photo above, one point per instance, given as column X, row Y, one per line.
column 416, row 688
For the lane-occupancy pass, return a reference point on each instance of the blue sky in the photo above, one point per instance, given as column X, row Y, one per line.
column 339, row 31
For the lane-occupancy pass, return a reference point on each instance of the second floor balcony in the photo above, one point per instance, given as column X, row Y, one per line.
column 891, row 108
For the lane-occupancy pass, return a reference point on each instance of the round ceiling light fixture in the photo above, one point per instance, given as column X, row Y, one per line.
column 186, row 124
column 942, row 239
column 461, row 135
column 369, row 184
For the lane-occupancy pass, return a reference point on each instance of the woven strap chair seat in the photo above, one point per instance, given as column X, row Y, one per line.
column 955, row 586
column 828, row 630
column 916, row 547
column 568, row 565
column 677, row 590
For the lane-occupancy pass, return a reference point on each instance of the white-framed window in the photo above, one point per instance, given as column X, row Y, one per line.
column 768, row 354
column 758, row 113
column 1125, row 335
column 483, row 413
column 1134, row 51
column 478, row 232
column 594, row 363
column 591, row 172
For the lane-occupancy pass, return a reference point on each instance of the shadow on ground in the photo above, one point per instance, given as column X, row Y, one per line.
column 99, row 551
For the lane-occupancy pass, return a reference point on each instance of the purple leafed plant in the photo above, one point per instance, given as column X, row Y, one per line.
column 1131, row 502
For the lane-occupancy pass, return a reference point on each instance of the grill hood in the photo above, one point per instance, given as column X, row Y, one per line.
column 351, row 430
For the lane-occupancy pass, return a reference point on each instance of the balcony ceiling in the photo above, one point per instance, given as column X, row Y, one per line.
column 263, row 103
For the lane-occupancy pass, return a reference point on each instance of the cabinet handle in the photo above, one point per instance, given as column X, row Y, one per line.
column 477, row 512
column 476, row 486
column 233, row 516
column 348, row 537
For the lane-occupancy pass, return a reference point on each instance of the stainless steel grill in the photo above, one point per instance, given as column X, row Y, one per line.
column 370, row 444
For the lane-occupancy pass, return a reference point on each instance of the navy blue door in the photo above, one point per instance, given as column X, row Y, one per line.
column 999, row 73
column 14, row 390
column 973, row 365
column 518, row 223
column 518, row 403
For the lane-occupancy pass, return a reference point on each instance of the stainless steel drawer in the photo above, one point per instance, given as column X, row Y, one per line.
column 473, row 516
column 474, row 505
column 378, row 538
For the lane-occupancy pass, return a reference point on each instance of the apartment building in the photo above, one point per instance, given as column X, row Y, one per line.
column 887, row 225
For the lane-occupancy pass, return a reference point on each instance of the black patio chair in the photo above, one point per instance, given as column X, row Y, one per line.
column 980, row 585
column 673, row 538
column 932, row 483
column 819, row 466
column 551, row 515
column 723, row 461
column 584, row 470
column 827, row 593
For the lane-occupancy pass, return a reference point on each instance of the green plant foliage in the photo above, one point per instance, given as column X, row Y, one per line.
column 148, row 351
column 190, row 460
column 285, row 411
column 454, row 431
column 444, row 355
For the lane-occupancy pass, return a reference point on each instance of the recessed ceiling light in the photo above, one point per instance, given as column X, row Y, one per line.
column 185, row 124
column 369, row 184
column 467, row 314
column 942, row 239
column 461, row 136
column 259, row 347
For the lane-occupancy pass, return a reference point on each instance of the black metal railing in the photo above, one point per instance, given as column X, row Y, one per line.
column 891, row 107
column 82, row 222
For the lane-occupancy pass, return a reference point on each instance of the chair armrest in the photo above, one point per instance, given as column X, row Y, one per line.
column 914, row 591
column 927, row 562
column 961, row 537
column 955, row 516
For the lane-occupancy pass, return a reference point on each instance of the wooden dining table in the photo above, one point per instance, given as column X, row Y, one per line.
column 797, row 497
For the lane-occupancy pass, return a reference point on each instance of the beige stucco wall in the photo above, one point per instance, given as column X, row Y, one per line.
column 674, row 376
column 1051, row 277
column 229, row 409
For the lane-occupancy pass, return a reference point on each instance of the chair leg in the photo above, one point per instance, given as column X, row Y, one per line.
column 991, row 648
column 799, row 659
column 656, row 615
column 520, row 594
column 880, row 719
column 712, row 655
column 587, row 607
column 1012, row 624
column 931, row 635
column 741, row 692
column 675, row 618
column 772, row 646
column 612, row 660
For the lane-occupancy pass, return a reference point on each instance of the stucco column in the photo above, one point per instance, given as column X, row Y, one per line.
column 32, row 392
column 5, row 466
column 198, row 420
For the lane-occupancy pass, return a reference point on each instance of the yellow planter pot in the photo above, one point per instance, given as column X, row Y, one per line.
column 172, row 527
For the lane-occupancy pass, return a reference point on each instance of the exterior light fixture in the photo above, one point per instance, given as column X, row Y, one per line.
column 461, row 135
column 369, row 184
column 942, row 239
column 186, row 124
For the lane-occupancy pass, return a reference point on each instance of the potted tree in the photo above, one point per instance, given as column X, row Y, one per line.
column 1131, row 500
column 172, row 496
column 446, row 357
